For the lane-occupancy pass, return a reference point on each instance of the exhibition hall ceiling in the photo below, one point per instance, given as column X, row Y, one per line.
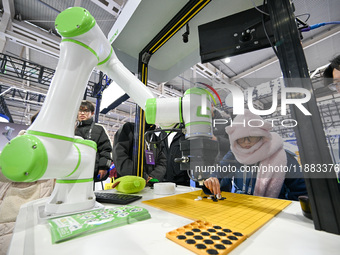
column 176, row 61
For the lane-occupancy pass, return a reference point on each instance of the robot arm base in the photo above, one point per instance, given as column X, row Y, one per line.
column 70, row 196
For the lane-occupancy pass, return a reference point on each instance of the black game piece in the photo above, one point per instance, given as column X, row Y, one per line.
column 208, row 241
column 190, row 241
column 215, row 237
column 233, row 238
column 226, row 242
column 201, row 246
column 237, row 234
column 212, row 251
column 219, row 246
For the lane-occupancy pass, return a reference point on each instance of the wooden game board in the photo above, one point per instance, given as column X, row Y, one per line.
column 204, row 238
column 241, row 213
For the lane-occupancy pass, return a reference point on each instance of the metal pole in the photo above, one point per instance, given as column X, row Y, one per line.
column 323, row 189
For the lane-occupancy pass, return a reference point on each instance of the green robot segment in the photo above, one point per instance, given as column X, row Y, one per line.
column 24, row 159
column 74, row 21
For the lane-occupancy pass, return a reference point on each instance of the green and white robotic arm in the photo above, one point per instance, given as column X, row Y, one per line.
column 50, row 149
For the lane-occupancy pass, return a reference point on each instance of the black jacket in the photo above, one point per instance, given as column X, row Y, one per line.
column 104, row 149
column 173, row 172
column 122, row 155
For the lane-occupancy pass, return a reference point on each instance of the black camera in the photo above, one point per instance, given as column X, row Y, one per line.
column 186, row 34
column 185, row 37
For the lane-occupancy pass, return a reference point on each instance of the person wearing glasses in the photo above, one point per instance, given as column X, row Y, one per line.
column 257, row 163
column 332, row 75
column 88, row 129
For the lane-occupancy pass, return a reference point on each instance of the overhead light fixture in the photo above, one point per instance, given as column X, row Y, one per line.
column 112, row 93
column 4, row 118
column 227, row 60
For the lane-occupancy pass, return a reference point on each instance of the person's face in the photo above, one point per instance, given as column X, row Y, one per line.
column 84, row 114
column 248, row 142
column 336, row 80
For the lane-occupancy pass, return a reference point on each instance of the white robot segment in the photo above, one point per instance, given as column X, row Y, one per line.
column 193, row 109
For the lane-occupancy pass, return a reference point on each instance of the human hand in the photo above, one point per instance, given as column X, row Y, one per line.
column 101, row 174
column 213, row 185
column 214, row 138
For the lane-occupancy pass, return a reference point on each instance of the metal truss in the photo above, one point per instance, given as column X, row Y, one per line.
column 40, row 76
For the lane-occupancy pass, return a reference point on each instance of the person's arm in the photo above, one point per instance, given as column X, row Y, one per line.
column 160, row 166
column 294, row 183
column 228, row 162
column 295, row 188
column 122, row 151
column 104, row 150
column 223, row 182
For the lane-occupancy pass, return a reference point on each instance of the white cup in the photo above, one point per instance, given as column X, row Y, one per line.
column 164, row 188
